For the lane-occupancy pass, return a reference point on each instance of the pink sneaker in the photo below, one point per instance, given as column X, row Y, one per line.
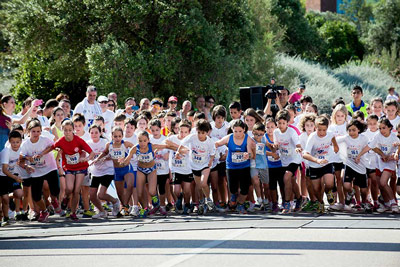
column 163, row 211
column 56, row 206
column 74, row 217
column 44, row 215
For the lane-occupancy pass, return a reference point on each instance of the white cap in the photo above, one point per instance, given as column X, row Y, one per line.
column 102, row 98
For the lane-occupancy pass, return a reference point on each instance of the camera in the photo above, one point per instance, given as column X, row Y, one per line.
column 273, row 89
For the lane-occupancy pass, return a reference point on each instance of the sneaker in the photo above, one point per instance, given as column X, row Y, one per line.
column 56, row 206
column 275, row 208
column 24, row 216
column 18, row 216
column 297, row 207
column 395, row 208
column 33, row 216
column 44, row 215
column 74, row 217
column 321, row 208
column 125, row 210
column 64, row 203
column 63, row 213
column 367, row 207
column 241, row 209
column 251, row 208
column 347, row 208
column 308, row 207
column 155, row 201
column 5, row 221
column 357, row 208
column 186, row 209
column 170, row 207
column 382, row 208
column 135, row 211
column 195, row 209
column 106, row 207
column 200, row 210
column 221, row 207
column 258, row 207
column 331, row 197
column 286, row 207
column 349, row 197
column 68, row 213
column 163, row 211
column 143, row 213
column 232, row 202
column 100, row 215
column 115, row 208
column 154, row 210
column 88, row 214
column 336, row 207
column 304, row 201
column 211, row 206
column 246, row 205
column 51, row 210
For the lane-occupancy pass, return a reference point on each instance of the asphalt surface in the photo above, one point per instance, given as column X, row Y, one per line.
column 334, row 239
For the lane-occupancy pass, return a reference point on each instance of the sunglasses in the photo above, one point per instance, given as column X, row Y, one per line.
column 173, row 102
column 103, row 102
column 111, row 105
column 257, row 134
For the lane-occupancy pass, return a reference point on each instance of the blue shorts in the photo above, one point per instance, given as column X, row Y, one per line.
column 147, row 171
column 76, row 172
column 120, row 173
column 134, row 182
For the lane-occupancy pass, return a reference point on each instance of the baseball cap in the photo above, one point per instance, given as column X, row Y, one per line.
column 172, row 98
column 102, row 98
column 302, row 86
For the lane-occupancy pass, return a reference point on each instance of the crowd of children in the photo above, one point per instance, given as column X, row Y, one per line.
column 148, row 159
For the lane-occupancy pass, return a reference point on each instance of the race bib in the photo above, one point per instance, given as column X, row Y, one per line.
column 160, row 165
column 178, row 163
column 72, row 159
column 352, row 154
column 145, row 158
column 260, row 149
column 286, row 152
column 116, row 154
column 238, row 157
column 385, row 149
column 199, row 158
column 39, row 162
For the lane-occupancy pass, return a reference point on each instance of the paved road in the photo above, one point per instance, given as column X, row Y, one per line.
column 220, row 240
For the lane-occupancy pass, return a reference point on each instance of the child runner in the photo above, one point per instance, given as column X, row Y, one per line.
column 319, row 153
column 74, row 164
column 240, row 148
column 44, row 165
column 102, row 175
column 384, row 144
column 288, row 143
column 355, row 172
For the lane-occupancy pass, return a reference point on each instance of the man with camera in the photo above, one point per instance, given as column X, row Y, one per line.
column 280, row 96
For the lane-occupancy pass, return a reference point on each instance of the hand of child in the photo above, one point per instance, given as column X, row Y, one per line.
column 357, row 159
column 322, row 161
column 29, row 169
column 275, row 156
column 246, row 156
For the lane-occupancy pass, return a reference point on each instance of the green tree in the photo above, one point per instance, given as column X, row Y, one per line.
column 359, row 12
column 137, row 47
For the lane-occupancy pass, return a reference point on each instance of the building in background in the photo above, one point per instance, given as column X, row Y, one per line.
column 324, row 5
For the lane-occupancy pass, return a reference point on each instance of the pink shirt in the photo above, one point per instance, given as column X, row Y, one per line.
column 294, row 97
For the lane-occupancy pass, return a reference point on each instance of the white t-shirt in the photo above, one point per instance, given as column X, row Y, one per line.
column 182, row 165
column 320, row 148
column 303, row 142
column 104, row 167
column 134, row 141
column 43, row 165
column 161, row 164
column 86, row 137
column 219, row 133
column 200, row 152
column 386, row 145
column 339, row 130
column 371, row 156
column 89, row 112
column 392, row 97
column 11, row 157
column 219, row 151
column 108, row 121
column 394, row 122
column 287, row 143
column 354, row 146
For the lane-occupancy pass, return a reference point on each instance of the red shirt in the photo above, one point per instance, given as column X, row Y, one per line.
column 71, row 153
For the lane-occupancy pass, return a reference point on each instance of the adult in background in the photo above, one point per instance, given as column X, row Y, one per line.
column 113, row 96
column 144, row 104
column 89, row 106
column 111, row 105
column 186, row 107
column 65, row 104
column 107, row 115
column 200, row 104
column 49, row 106
column 281, row 102
column 295, row 97
column 392, row 95
column 172, row 105
column 210, row 102
column 156, row 106
column 8, row 106
column 130, row 107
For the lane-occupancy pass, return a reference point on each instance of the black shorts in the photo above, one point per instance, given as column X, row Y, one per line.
column 317, row 173
column 398, row 181
column 8, row 185
column 37, row 185
column 198, row 173
column 275, row 177
column 338, row 166
column 27, row 182
column 308, row 172
column 292, row 167
column 161, row 181
column 369, row 171
column 178, row 178
column 104, row 180
column 358, row 179
column 221, row 169
column 239, row 178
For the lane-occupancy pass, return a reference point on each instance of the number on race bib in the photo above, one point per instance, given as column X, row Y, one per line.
column 260, row 149
column 72, row 159
column 238, row 157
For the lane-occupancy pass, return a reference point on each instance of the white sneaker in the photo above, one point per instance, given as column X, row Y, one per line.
column 336, row 207
column 347, row 208
column 251, row 208
column 11, row 214
column 115, row 208
column 135, row 211
column 100, row 215
column 382, row 208
column 395, row 208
